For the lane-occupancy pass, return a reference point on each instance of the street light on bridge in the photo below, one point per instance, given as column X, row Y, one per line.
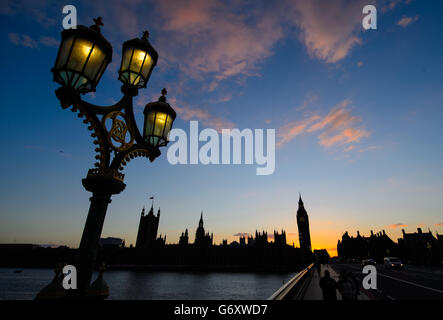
column 81, row 61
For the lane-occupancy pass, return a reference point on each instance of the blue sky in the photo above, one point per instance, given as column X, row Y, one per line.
column 357, row 115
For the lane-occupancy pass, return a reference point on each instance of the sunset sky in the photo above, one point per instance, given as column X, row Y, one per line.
column 358, row 118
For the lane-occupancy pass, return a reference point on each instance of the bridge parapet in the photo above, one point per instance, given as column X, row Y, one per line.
column 294, row 289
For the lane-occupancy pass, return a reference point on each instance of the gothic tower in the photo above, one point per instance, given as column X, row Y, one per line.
column 147, row 229
column 202, row 239
column 303, row 228
column 184, row 238
column 200, row 233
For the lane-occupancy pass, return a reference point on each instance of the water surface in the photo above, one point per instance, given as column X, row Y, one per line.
column 154, row 285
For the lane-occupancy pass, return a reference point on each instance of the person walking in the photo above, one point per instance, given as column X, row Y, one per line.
column 352, row 277
column 346, row 286
column 328, row 286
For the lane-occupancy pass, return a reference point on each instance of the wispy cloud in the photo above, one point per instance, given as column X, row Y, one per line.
column 345, row 136
column 349, row 148
column 225, row 98
column 220, row 42
column 337, row 128
column 310, row 98
column 405, row 21
column 26, row 41
column 22, row 40
column 329, row 29
column 187, row 112
column 292, row 129
column 397, row 225
column 241, row 234
column 43, row 13
column 49, row 41
column 391, row 4
column 369, row 148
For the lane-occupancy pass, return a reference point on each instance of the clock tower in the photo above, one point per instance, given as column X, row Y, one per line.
column 303, row 228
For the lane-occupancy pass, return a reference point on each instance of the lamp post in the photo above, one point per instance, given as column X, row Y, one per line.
column 81, row 61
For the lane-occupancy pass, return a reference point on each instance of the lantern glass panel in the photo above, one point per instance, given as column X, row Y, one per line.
column 79, row 54
column 167, row 128
column 94, row 63
column 136, row 66
column 147, row 66
column 82, row 59
column 150, row 118
column 137, row 60
column 160, row 122
column 126, row 59
column 134, row 78
column 64, row 52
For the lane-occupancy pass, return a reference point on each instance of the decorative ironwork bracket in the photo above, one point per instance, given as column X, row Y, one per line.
column 122, row 137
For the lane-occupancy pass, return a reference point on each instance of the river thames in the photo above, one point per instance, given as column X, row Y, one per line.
column 154, row 285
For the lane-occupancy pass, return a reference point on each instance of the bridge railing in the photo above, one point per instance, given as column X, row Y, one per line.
column 294, row 287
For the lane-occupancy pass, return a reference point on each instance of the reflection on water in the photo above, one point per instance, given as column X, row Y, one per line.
column 154, row 285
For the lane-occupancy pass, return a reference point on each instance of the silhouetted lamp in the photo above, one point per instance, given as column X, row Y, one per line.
column 82, row 58
column 159, row 117
column 138, row 60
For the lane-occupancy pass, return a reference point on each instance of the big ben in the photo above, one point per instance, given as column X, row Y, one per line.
column 303, row 227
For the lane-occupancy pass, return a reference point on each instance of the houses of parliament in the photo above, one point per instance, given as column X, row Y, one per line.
column 148, row 229
column 251, row 252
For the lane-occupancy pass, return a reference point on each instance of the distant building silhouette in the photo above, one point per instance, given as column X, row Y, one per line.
column 420, row 247
column 112, row 242
column 160, row 241
column 303, row 228
column 147, row 230
column 184, row 238
column 280, row 239
column 261, row 239
column 376, row 246
column 251, row 240
column 322, row 255
column 201, row 239
column 416, row 248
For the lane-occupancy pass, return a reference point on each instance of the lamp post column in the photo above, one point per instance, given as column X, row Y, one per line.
column 102, row 188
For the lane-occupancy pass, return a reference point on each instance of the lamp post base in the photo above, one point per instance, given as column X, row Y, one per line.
column 102, row 188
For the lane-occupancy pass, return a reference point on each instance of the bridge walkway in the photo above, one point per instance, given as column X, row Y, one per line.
column 313, row 290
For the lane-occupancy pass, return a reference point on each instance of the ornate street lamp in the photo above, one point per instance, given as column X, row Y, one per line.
column 82, row 58
column 139, row 58
column 81, row 61
column 159, row 117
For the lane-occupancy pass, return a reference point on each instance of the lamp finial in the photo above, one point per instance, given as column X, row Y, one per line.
column 163, row 96
column 97, row 23
column 145, row 35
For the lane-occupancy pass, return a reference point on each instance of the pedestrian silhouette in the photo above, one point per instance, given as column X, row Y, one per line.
column 328, row 286
column 347, row 286
column 352, row 277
